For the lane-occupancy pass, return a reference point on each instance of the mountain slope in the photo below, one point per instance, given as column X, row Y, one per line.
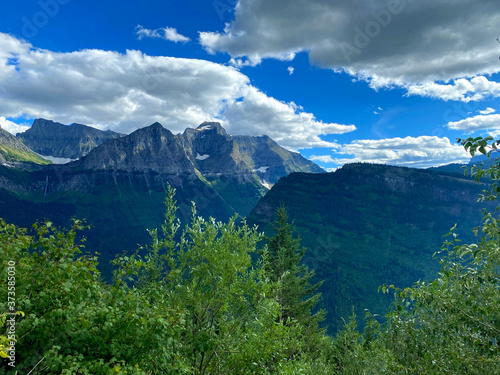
column 50, row 138
column 120, row 185
column 152, row 148
column 212, row 150
column 366, row 225
column 13, row 150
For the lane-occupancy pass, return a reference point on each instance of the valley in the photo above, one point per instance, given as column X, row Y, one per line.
column 363, row 226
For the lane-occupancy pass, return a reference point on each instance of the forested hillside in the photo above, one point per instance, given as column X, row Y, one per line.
column 366, row 225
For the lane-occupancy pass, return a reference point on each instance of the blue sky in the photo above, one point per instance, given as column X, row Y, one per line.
column 388, row 81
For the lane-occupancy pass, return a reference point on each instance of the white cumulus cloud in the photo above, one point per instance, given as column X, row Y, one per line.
column 124, row 92
column 12, row 127
column 322, row 158
column 487, row 111
column 479, row 122
column 420, row 152
column 256, row 113
column 167, row 33
column 405, row 43
column 465, row 90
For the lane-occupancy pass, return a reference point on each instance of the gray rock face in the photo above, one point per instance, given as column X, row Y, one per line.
column 216, row 152
column 62, row 141
column 152, row 148
column 207, row 150
column 210, row 149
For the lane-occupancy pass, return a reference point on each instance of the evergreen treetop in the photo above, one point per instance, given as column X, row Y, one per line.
column 295, row 293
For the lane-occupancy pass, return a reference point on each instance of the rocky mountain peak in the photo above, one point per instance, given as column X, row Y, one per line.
column 156, row 125
column 43, row 125
column 151, row 130
column 152, row 148
column 54, row 139
column 211, row 127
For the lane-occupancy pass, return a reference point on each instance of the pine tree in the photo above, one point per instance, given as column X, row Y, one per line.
column 295, row 293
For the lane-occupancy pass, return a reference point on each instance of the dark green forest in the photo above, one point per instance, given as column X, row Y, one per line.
column 366, row 225
column 212, row 297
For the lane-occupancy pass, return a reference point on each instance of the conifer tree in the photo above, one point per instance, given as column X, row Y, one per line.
column 296, row 295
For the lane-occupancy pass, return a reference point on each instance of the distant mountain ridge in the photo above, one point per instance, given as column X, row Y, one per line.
column 210, row 142
column 478, row 160
column 207, row 150
column 73, row 141
column 366, row 225
column 152, row 148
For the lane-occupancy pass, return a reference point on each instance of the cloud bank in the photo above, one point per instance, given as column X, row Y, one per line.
column 419, row 152
column 123, row 92
column 12, row 127
column 405, row 43
column 479, row 122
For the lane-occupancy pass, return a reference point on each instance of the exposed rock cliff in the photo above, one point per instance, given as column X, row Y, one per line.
column 152, row 148
column 207, row 150
column 62, row 141
column 214, row 151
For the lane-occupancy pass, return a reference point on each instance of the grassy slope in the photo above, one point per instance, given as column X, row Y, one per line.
column 10, row 154
column 13, row 150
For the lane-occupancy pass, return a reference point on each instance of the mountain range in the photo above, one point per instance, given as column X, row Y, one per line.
column 363, row 225
column 119, row 185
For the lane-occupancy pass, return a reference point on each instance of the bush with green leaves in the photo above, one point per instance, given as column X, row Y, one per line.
column 192, row 303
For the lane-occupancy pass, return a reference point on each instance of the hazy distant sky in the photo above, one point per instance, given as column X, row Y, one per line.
column 389, row 81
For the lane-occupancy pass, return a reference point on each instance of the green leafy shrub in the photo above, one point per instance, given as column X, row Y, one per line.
column 194, row 304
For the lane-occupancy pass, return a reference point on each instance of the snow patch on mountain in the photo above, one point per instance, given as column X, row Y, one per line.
column 267, row 185
column 261, row 169
column 202, row 157
column 55, row 160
